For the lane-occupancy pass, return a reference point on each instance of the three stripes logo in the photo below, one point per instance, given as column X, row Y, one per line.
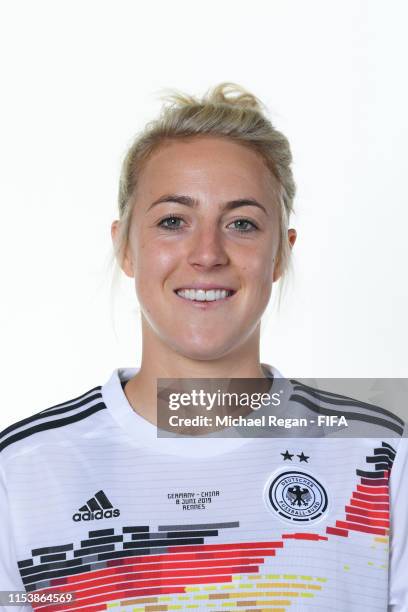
column 96, row 508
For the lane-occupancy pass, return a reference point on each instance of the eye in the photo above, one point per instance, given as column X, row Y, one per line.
column 172, row 223
column 172, row 226
column 244, row 225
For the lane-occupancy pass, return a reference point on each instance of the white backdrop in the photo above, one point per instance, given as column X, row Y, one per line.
column 80, row 78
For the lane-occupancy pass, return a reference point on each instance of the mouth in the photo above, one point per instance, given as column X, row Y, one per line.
column 205, row 297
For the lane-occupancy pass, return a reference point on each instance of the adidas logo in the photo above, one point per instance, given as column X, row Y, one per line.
column 96, row 508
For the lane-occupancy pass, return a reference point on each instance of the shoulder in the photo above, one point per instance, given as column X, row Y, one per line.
column 42, row 426
column 356, row 411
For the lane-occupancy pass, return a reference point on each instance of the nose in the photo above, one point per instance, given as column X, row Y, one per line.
column 207, row 247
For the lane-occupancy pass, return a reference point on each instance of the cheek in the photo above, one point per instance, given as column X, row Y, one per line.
column 153, row 264
column 257, row 268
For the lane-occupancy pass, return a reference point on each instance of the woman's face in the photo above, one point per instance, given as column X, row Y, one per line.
column 205, row 218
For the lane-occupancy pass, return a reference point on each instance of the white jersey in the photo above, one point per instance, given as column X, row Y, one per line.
column 95, row 507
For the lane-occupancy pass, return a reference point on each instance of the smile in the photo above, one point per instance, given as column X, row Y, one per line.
column 202, row 295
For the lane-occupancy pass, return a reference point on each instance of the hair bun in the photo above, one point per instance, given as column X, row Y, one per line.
column 233, row 95
column 227, row 93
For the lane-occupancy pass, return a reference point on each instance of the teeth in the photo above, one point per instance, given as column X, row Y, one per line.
column 201, row 295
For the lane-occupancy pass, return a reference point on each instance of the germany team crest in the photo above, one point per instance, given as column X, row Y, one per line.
column 296, row 496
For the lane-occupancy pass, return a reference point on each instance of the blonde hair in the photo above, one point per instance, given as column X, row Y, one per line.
column 227, row 110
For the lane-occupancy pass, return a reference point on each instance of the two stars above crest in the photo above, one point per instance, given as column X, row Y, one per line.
column 288, row 456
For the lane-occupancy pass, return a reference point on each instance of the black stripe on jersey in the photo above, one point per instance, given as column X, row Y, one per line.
column 343, row 400
column 380, row 474
column 385, row 451
column 379, row 459
column 25, row 562
column 52, row 425
column 74, row 399
column 53, row 410
column 383, row 459
column 48, row 550
column 47, row 558
column 385, row 445
column 351, row 416
column 101, row 532
column 382, row 466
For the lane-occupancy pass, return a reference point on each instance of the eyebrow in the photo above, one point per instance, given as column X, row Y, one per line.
column 193, row 203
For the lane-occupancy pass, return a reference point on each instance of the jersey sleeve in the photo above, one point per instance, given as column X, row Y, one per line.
column 398, row 574
column 10, row 579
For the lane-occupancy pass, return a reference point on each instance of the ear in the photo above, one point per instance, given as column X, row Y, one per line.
column 126, row 264
column 277, row 272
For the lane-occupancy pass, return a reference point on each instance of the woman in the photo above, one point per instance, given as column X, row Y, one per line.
column 97, row 507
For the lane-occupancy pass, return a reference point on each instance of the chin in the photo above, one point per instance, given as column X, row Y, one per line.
column 202, row 351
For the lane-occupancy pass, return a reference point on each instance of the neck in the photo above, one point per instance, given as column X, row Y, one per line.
column 160, row 361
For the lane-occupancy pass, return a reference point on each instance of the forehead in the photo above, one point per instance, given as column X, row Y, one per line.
column 207, row 165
